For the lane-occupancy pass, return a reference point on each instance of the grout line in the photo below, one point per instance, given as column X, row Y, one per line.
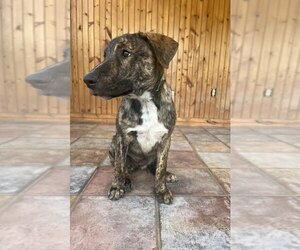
column 154, row 196
column 218, row 140
column 228, row 146
column 79, row 196
column 266, row 174
column 20, row 194
column 288, row 143
column 9, row 140
column 266, row 195
column 271, row 136
column 211, row 173
column 157, row 224
column 192, row 195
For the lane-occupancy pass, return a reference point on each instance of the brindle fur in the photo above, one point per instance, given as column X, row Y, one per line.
column 130, row 77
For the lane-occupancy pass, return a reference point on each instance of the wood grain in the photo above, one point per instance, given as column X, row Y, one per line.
column 265, row 55
column 201, row 63
column 34, row 35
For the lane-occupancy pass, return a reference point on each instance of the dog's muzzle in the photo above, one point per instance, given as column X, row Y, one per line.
column 91, row 82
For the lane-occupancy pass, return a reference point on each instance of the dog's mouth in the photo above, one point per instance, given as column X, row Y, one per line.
column 108, row 97
column 96, row 94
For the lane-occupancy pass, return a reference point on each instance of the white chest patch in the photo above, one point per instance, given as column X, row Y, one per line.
column 151, row 130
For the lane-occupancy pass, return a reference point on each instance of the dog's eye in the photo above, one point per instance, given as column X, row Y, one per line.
column 126, row 53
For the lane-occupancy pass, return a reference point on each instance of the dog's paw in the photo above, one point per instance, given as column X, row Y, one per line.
column 170, row 177
column 116, row 193
column 166, row 197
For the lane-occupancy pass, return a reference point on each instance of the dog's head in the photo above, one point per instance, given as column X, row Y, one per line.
column 133, row 63
column 53, row 80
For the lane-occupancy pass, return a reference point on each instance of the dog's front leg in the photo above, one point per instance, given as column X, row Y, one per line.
column 121, row 181
column 163, row 193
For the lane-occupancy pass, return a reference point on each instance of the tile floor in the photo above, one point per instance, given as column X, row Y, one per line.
column 265, row 187
column 199, row 217
column 246, row 197
column 210, row 176
column 34, row 186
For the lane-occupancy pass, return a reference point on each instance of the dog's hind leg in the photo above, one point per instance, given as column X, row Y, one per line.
column 121, row 182
column 170, row 177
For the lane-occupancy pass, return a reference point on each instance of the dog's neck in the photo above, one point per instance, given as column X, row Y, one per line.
column 152, row 92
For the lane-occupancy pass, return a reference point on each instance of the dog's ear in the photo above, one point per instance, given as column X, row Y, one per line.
column 163, row 46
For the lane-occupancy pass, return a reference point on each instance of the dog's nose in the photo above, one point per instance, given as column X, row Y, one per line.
column 90, row 80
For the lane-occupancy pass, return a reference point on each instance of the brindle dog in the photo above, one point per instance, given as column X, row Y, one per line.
column 134, row 68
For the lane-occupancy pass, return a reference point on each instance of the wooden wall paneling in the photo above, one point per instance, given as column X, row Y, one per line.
column 80, row 56
column 62, row 42
column 176, row 58
column 254, row 59
column 212, row 68
column 142, row 21
column 29, row 50
column 148, row 13
column 224, row 75
column 205, row 83
column 211, row 58
column 8, row 59
column 18, row 41
column 212, row 111
column 201, row 62
column 292, row 41
column 74, row 60
column 3, row 102
column 114, row 33
column 91, row 47
column 266, row 79
column 192, row 59
column 108, row 35
column 261, row 77
column 165, row 17
column 234, row 37
column 40, row 51
column 294, row 102
column 103, row 42
column 270, row 59
column 168, row 29
column 280, row 66
column 165, row 10
column 30, row 42
column 223, row 72
column 120, row 16
column 226, row 107
column 136, row 15
column 161, row 5
column 220, row 77
column 186, row 64
column 265, row 56
column 50, row 40
column 182, row 46
column 178, row 19
column 85, row 52
column 238, row 41
column 154, row 15
column 245, row 56
column 97, row 48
